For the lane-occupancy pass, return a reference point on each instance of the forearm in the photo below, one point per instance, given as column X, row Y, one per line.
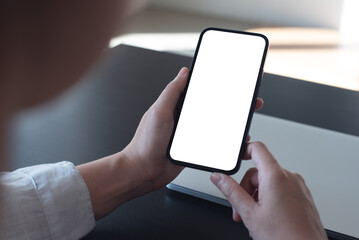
column 142, row 166
column 112, row 181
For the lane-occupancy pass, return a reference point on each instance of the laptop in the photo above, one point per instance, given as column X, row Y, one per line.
column 328, row 161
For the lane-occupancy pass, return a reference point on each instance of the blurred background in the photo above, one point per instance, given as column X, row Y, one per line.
column 316, row 40
column 310, row 40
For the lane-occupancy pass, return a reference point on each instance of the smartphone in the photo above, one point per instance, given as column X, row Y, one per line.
column 213, row 122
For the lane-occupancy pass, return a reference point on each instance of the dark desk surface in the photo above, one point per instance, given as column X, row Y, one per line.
column 99, row 116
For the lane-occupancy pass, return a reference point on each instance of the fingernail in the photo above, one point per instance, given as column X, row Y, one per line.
column 215, row 178
column 182, row 72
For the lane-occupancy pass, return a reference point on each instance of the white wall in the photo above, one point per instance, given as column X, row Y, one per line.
column 308, row 13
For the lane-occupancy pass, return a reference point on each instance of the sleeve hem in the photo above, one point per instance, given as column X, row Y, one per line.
column 65, row 199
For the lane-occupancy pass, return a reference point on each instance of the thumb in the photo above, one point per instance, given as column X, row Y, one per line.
column 240, row 200
column 169, row 97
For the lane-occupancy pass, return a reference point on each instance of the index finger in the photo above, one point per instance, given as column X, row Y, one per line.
column 261, row 156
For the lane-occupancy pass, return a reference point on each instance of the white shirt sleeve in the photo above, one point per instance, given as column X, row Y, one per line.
column 49, row 201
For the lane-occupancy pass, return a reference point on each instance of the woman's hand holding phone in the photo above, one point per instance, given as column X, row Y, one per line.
column 147, row 150
column 142, row 166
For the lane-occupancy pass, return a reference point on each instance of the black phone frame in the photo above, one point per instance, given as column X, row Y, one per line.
column 250, row 114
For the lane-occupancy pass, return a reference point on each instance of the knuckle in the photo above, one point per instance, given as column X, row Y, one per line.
column 155, row 113
column 152, row 113
column 259, row 144
column 228, row 189
column 146, row 115
column 170, row 85
column 151, row 116
column 299, row 177
column 278, row 175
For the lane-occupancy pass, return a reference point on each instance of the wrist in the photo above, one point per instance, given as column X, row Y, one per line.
column 127, row 177
column 136, row 164
column 112, row 181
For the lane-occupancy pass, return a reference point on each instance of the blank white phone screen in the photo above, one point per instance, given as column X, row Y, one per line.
column 213, row 119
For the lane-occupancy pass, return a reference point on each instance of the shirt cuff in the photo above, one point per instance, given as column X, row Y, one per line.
column 65, row 199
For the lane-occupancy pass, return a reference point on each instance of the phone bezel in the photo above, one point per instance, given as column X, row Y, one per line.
column 251, row 111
